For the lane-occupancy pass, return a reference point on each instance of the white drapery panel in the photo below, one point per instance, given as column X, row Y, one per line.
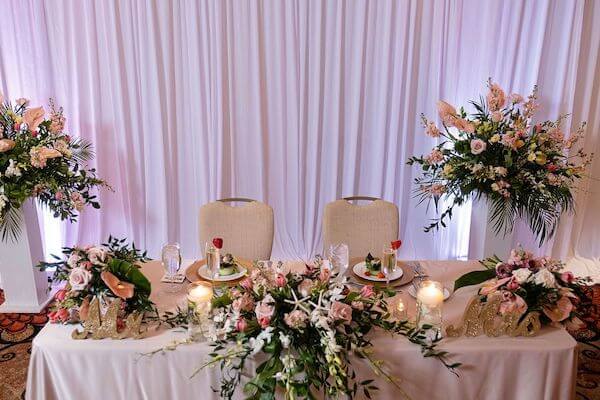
column 294, row 103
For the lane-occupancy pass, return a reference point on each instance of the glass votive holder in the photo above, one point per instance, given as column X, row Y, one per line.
column 399, row 311
column 199, row 306
column 430, row 299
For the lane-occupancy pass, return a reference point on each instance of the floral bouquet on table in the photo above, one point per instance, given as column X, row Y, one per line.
column 523, row 169
column 526, row 284
column 38, row 159
column 104, row 272
column 307, row 326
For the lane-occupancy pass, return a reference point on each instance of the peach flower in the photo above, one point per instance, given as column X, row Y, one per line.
column 496, row 98
column 340, row 311
column 33, row 117
column 447, row 112
column 463, row 125
column 6, row 145
column 561, row 311
column 120, row 289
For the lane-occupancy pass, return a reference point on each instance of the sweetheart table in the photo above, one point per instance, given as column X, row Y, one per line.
column 540, row 367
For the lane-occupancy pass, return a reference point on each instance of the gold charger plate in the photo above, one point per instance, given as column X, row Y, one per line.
column 191, row 273
column 407, row 274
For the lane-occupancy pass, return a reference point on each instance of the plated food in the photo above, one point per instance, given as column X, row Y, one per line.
column 371, row 270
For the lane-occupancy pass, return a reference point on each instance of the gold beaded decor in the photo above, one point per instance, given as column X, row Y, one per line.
column 482, row 318
column 98, row 326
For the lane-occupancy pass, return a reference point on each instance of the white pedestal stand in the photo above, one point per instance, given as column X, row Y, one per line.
column 483, row 241
column 25, row 287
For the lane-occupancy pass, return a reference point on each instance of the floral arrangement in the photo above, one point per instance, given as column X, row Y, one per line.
column 106, row 272
column 39, row 160
column 524, row 170
column 526, row 284
column 306, row 325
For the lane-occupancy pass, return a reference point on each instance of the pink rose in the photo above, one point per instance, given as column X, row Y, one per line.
column 340, row 311
column 447, row 112
column 243, row 303
column 246, row 284
column 296, row 319
column 478, row 146
column 79, row 278
column 241, row 325
column 59, row 196
column 496, row 116
column 264, row 322
column 305, row 287
column 567, row 277
column 264, row 310
column 464, row 125
column 367, row 291
column 280, row 281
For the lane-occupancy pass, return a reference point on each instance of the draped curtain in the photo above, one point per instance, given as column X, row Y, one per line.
column 294, row 103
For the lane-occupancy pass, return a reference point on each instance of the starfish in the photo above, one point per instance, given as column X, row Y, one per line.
column 319, row 305
column 298, row 303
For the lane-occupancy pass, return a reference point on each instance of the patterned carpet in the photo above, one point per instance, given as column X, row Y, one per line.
column 17, row 332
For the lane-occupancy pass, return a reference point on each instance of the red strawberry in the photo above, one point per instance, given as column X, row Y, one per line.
column 396, row 244
column 218, row 243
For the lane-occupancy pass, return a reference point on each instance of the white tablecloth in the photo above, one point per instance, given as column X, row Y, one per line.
column 542, row 367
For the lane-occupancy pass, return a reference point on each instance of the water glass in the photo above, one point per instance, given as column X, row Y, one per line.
column 213, row 259
column 388, row 263
column 338, row 255
column 171, row 262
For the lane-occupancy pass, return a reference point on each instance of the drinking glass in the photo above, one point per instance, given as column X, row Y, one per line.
column 171, row 262
column 388, row 263
column 338, row 255
column 213, row 259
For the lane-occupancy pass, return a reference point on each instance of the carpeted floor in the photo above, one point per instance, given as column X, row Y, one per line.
column 17, row 332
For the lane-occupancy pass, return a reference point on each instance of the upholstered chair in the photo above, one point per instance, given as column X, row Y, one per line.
column 363, row 227
column 247, row 229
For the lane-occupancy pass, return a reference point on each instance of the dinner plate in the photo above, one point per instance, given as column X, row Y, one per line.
column 204, row 273
column 412, row 292
column 360, row 269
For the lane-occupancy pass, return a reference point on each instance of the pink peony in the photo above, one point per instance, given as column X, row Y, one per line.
column 243, row 303
column 340, row 311
column 447, row 112
column 241, row 325
column 367, row 291
column 280, row 281
column 478, row 146
column 296, row 319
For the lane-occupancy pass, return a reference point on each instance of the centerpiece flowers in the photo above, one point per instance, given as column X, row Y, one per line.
column 105, row 272
column 38, row 159
column 525, row 284
column 524, row 169
column 305, row 326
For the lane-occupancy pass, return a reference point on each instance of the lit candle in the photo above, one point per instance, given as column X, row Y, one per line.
column 200, row 292
column 430, row 294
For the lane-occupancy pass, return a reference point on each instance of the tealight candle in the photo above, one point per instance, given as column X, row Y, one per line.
column 430, row 297
column 401, row 310
column 199, row 303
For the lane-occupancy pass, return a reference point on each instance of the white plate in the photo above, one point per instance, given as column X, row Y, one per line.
column 203, row 272
column 360, row 269
column 411, row 291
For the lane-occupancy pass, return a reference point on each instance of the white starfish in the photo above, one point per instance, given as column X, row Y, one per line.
column 319, row 305
column 298, row 303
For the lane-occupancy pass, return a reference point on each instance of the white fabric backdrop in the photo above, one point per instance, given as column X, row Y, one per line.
column 295, row 103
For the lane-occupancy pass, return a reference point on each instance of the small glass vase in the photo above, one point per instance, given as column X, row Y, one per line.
column 430, row 299
column 199, row 311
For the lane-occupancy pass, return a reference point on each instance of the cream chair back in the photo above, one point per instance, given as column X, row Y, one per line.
column 247, row 229
column 364, row 228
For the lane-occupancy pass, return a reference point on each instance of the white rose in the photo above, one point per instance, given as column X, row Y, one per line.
column 79, row 278
column 522, row 275
column 73, row 260
column 545, row 278
column 97, row 255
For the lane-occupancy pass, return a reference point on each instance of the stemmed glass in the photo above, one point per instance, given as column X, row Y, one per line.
column 388, row 263
column 338, row 255
column 213, row 259
column 171, row 262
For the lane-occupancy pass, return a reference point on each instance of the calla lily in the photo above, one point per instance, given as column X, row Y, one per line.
column 561, row 311
column 6, row 145
column 48, row 153
column 33, row 117
column 121, row 289
column 84, row 309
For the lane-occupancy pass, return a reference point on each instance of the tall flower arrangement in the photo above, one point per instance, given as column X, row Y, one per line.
column 524, row 169
column 38, row 159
